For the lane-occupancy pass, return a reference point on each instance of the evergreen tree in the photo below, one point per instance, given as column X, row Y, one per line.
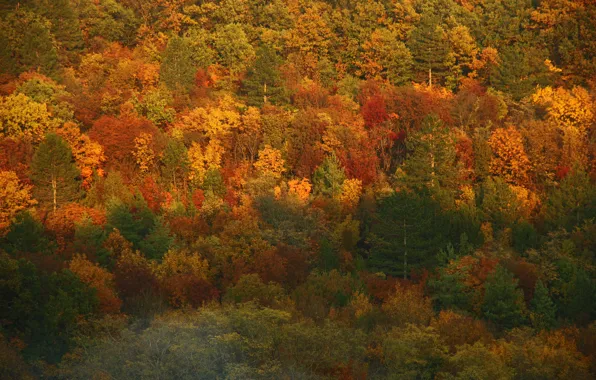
column 431, row 161
column 26, row 235
column 263, row 81
column 448, row 290
column 175, row 163
column 503, row 301
column 521, row 68
column 134, row 223
column 177, row 69
column 572, row 202
column 542, row 308
column 407, row 234
column 157, row 242
column 64, row 26
column 54, row 172
column 430, row 50
column 43, row 309
column 26, row 43
column 329, row 177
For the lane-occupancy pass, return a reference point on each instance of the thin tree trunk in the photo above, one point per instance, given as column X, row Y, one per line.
column 54, row 190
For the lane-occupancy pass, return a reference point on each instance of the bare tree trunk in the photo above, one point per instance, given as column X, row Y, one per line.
column 54, row 190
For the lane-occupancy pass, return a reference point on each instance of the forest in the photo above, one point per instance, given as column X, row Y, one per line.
column 294, row 189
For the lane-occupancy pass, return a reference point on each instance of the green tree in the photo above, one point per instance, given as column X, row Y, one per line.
column 430, row 49
column 26, row 235
column 448, row 290
column 235, row 51
column 571, row 202
column 543, row 309
column 177, row 69
column 54, row 172
column 521, row 68
column 157, row 242
column 26, row 43
column 263, row 82
column 328, row 177
column 64, row 26
column 408, row 233
column 135, row 222
column 42, row 309
column 503, row 301
column 431, row 161
column 175, row 163
column 414, row 352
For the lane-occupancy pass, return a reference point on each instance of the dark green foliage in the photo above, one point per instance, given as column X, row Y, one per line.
column 572, row 202
column 520, row 70
column 65, row 27
column 286, row 223
column 89, row 239
column 542, row 308
column 134, row 222
column 54, row 173
column 263, row 81
column 448, row 291
column 431, row 161
column 43, row 308
column 26, row 43
column 503, row 302
column 576, row 292
column 26, row 235
column 430, row 50
column 328, row 257
column 157, row 242
column 524, row 236
column 409, row 230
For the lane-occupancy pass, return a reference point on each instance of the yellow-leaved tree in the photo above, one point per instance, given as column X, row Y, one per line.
column 300, row 188
column 572, row 111
column 14, row 197
column 143, row 153
column 21, row 117
column 351, row 190
column 270, row 162
column 509, row 160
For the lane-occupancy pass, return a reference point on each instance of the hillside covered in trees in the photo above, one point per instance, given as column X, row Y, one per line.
column 292, row 189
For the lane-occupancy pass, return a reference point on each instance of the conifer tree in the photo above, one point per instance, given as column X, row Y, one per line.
column 263, row 81
column 177, row 69
column 543, row 308
column 431, row 161
column 430, row 50
column 503, row 300
column 54, row 172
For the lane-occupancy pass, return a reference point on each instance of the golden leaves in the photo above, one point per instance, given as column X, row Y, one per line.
column 14, row 197
column 509, row 159
column 270, row 162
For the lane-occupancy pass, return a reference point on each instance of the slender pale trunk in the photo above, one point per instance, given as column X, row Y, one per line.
column 54, row 190
column 430, row 72
column 265, row 93
column 430, row 77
